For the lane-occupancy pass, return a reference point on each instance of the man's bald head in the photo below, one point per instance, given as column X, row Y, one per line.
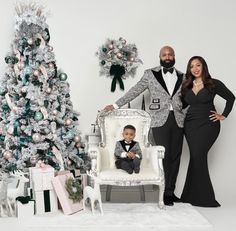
column 167, row 49
column 167, row 57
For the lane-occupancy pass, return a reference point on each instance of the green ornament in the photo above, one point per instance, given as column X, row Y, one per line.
column 63, row 76
column 16, row 97
column 2, row 91
column 38, row 115
column 104, row 49
column 23, row 42
column 103, row 62
column 28, row 70
column 67, row 95
column 5, row 107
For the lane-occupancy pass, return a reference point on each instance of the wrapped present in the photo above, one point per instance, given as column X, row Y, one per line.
column 41, row 178
column 42, row 189
column 67, row 204
column 46, row 201
column 25, row 207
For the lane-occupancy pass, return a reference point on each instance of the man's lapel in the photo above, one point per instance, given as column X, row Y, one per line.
column 178, row 82
column 159, row 78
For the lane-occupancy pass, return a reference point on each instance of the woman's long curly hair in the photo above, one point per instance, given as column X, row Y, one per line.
column 206, row 77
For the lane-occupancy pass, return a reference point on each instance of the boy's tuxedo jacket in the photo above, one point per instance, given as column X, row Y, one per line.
column 134, row 147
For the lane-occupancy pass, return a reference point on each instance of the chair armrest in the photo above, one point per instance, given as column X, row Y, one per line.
column 94, row 154
column 157, row 150
column 156, row 155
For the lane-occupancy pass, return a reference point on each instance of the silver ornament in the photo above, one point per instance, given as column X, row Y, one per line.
column 7, row 154
column 49, row 90
column 24, row 89
column 36, row 137
column 54, row 112
column 119, row 55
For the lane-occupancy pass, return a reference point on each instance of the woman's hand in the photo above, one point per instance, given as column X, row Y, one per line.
column 215, row 116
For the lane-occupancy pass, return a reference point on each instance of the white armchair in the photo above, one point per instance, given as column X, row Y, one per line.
column 111, row 126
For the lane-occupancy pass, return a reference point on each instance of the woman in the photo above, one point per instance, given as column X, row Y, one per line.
column 202, row 127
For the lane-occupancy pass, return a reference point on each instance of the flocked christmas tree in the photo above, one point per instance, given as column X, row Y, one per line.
column 37, row 120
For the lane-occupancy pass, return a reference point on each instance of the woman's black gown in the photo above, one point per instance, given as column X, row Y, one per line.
column 201, row 133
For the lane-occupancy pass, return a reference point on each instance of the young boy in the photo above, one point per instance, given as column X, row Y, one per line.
column 127, row 151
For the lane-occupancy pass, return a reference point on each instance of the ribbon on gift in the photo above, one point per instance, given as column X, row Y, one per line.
column 40, row 164
column 24, row 200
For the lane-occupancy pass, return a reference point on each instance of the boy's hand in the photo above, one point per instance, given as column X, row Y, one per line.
column 131, row 155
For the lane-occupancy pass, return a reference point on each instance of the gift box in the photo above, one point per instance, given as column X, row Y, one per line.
column 46, row 201
column 42, row 189
column 68, row 206
column 41, row 178
column 25, row 207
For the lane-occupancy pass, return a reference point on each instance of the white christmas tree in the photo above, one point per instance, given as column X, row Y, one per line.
column 37, row 120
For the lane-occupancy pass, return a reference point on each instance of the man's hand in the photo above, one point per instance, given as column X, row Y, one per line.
column 109, row 107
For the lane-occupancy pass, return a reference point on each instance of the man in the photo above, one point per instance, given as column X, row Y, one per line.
column 164, row 84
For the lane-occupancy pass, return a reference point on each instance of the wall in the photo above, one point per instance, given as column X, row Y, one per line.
column 79, row 27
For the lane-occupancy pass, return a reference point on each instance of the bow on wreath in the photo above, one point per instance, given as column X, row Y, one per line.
column 118, row 60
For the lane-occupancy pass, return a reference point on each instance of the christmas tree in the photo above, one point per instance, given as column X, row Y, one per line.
column 37, row 120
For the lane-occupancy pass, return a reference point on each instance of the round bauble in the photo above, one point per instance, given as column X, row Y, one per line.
column 63, row 76
column 110, row 46
column 38, row 115
column 36, row 73
column 68, row 122
column 36, row 137
column 77, row 138
column 49, row 90
column 51, row 65
column 30, row 41
column 50, row 48
column 7, row 154
column 23, row 89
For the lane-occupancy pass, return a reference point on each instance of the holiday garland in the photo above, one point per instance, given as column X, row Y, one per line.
column 74, row 189
column 118, row 59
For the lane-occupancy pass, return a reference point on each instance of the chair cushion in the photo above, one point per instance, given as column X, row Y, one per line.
column 120, row 175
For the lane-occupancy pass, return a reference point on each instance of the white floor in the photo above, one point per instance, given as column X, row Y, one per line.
column 222, row 218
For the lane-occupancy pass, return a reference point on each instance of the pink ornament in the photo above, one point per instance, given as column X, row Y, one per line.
column 50, row 48
column 36, row 73
column 51, row 65
column 119, row 55
column 77, row 139
column 30, row 41
column 68, row 122
column 111, row 46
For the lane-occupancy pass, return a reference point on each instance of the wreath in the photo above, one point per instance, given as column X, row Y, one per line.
column 118, row 59
column 74, row 189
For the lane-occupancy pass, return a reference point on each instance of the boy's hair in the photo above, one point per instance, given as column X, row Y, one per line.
column 130, row 127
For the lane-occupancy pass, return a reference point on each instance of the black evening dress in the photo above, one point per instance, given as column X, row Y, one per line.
column 201, row 133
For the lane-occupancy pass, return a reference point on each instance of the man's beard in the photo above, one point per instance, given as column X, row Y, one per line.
column 168, row 64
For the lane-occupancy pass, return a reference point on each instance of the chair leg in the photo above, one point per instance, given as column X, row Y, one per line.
column 142, row 193
column 108, row 193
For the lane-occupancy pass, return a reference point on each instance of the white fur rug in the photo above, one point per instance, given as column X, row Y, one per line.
column 122, row 217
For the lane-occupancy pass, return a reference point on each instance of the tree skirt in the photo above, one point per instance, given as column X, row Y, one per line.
column 122, row 217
